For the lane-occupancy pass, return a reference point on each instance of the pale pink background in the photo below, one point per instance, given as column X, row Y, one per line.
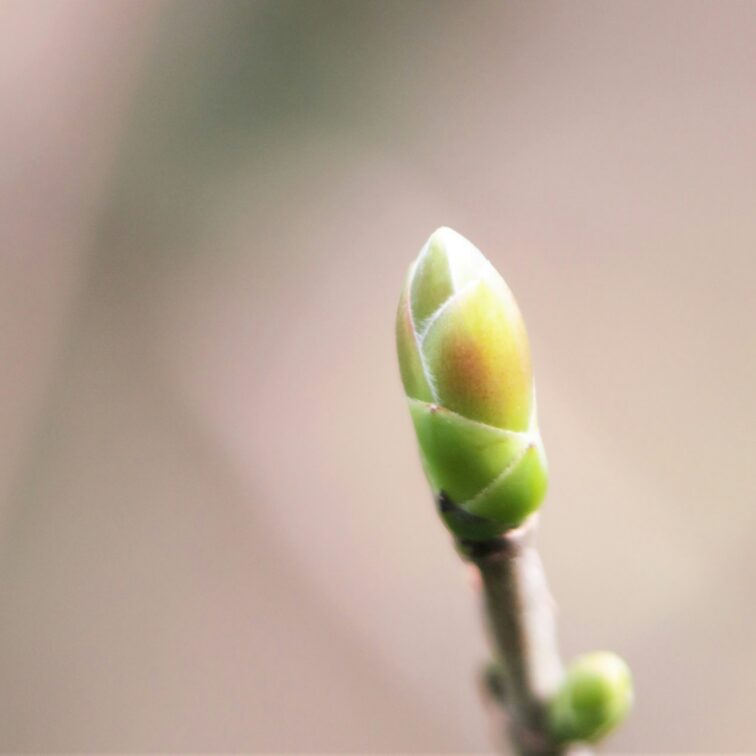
column 214, row 529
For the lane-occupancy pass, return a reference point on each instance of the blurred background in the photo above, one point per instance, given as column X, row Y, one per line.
column 214, row 529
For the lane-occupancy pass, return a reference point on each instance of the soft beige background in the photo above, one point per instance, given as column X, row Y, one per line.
column 214, row 530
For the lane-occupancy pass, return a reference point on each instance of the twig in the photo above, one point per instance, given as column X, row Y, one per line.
column 520, row 614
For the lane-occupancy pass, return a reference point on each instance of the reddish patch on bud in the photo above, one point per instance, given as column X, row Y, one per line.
column 468, row 372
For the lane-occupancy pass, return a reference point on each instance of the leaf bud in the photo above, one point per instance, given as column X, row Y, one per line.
column 595, row 696
column 465, row 364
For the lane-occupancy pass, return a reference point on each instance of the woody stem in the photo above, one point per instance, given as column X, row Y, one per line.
column 520, row 614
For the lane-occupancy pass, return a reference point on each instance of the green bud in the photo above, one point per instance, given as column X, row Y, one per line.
column 465, row 365
column 595, row 696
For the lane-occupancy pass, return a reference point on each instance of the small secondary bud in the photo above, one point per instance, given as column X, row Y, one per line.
column 594, row 698
column 465, row 365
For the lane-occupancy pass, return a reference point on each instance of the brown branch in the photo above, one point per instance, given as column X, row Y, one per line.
column 520, row 614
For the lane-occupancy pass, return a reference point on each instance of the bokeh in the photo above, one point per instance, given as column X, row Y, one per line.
column 215, row 534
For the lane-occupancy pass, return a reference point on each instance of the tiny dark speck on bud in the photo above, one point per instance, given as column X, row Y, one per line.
column 445, row 504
